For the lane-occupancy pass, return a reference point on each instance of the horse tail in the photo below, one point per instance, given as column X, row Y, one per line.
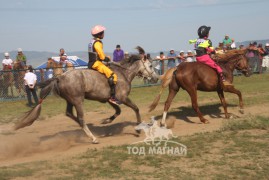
column 30, row 116
column 166, row 79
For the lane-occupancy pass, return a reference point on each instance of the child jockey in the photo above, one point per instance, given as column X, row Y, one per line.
column 97, row 55
column 203, row 47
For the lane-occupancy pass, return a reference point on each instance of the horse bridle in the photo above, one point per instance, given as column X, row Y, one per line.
column 145, row 68
column 240, row 58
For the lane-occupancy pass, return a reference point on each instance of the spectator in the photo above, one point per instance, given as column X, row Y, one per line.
column 265, row 61
column 266, row 49
column 118, row 54
column 148, row 57
column 126, row 55
column 227, row 42
column 233, row 45
column 160, row 66
column 1, row 85
column 30, row 86
column 260, row 54
column 253, row 56
column 63, row 56
column 181, row 57
column 190, row 56
column 171, row 59
column 7, row 62
column 241, row 46
column 21, row 58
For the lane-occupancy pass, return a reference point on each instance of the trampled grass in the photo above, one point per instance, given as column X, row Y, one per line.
column 239, row 150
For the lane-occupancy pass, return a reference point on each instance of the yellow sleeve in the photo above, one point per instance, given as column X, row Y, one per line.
column 192, row 41
column 98, row 46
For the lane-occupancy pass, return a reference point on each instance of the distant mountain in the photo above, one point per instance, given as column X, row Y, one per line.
column 246, row 43
column 35, row 58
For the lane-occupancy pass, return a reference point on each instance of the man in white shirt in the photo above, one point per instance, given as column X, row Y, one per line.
column 30, row 80
column 7, row 62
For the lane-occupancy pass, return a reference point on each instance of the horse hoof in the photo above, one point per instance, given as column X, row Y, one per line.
column 205, row 121
column 95, row 141
column 241, row 111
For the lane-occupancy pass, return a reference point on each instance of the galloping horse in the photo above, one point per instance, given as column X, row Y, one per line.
column 19, row 72
column 7, row 80
column 76, row 85
column 58, row 67
column 197, row 76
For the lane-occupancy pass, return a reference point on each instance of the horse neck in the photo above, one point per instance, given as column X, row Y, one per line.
column 228, row 67
column 129, row 71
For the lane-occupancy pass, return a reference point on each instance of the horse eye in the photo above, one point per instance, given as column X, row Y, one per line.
column 150, row 66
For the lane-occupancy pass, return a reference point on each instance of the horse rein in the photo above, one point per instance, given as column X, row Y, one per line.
column 237, row 61
column 145, row 68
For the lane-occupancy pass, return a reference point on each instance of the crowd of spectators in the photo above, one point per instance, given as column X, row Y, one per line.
column 258, row 55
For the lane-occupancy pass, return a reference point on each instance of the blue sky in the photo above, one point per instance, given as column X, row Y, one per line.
column 156, row 25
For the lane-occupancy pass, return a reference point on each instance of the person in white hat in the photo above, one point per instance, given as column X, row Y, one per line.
column 21, row 58
column 190, row 56
column 7, row 62
column 181, row 57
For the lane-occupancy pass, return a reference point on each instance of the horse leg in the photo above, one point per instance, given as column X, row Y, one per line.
column 82, row 123
column 69, row 112
column 236, row 91
column 171, row 95
column 117, row 113
column 223, row 102
column 128, row 102
column 193, row 95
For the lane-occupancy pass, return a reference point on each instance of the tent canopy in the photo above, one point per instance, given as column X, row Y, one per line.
column 76, row 61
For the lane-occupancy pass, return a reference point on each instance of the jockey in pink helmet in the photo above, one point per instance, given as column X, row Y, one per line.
column 97, row 55
column 203, row 47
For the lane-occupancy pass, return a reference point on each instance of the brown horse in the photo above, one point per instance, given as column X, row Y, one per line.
column 197, row 76
column 19, row 72
column 76, row 85
column 58, row 67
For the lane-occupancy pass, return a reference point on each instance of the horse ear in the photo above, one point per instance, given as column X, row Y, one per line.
column 140, row 50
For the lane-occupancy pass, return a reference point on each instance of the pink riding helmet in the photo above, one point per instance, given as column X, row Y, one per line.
column 97, row 29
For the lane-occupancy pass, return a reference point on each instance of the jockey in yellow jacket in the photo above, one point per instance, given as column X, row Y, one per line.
column 97, row 55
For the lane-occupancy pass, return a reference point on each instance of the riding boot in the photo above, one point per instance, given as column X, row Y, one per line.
column 112, row 85
column 224, row 82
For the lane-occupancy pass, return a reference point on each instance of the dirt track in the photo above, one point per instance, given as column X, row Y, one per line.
column 59, row 137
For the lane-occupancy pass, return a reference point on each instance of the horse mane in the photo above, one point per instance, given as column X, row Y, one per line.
column 229, row 55
column 134, row 57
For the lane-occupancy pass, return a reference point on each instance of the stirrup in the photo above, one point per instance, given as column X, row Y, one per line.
column 226, row 83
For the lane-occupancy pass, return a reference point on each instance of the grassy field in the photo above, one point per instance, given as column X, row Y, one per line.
column 255, row 90
column 237, row 151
